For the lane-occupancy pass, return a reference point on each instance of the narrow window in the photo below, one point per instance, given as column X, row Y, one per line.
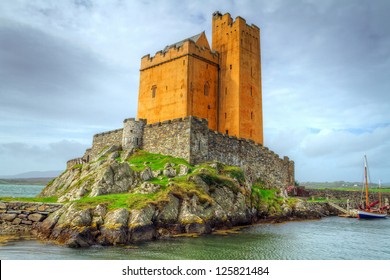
column 136, row 140
column 184, row 62
column 154, row 91
column 251, row 92
column 225, row 115
column 166, row 87
column 225, row 91
column 230, row 67
column 227, row 132
column 207, row 66
column 251, row 115
column 208, row 107
column 206, row 89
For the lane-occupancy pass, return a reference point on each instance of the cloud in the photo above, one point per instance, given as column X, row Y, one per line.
column 17, row 157
column 69, row 69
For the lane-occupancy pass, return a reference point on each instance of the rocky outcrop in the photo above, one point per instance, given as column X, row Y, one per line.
column 186, row 200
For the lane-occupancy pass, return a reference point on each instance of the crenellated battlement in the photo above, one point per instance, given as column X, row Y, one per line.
column 226, row 21
column 173, row 52
column 106, row 133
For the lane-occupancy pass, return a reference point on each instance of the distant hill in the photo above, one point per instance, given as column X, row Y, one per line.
column 338, row 184
column 30, row 178
column 34, row 174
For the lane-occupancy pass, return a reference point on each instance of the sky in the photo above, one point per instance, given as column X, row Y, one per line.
column 70, row 69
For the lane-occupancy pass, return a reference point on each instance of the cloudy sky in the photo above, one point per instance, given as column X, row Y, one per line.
column 70, row 69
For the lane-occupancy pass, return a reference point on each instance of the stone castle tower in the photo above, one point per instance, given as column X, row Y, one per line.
column 221, row 84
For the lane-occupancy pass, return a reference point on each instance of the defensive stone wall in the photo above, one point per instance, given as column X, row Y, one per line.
column 191, row 139
column 257, row 161
column 73, row 162
column 24, row 215
column 108, row 138
column 168, row 138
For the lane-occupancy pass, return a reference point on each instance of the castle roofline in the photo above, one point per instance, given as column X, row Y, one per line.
column 194, row 39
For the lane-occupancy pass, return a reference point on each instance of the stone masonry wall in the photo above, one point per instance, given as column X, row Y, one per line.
column 257, row 161
column 168, row 138
column 101, row 140
column 24, row 215
column 191, row 139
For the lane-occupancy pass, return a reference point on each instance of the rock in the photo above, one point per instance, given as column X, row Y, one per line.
column 169, row 172
column 114, row 156
column 114, row 230
column 127, row 154
column 26, row 222
column 114, row 178
column 36, row 217
column 100, row 210
column 42, row 208
column 3, row 205
column 146, row 174
column 141, row 224
column 116, row 218
column 170, row 212
column 16, row 221
column 141, row 217
column 168, row 164
column 187, row 215
column 147, row 188
column 82, row 218
column 108, row 151
column 8, row 217
column 156, row 173
column 197, row 228
column 183, row 169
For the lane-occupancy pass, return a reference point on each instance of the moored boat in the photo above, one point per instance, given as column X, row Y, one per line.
column 368, row 211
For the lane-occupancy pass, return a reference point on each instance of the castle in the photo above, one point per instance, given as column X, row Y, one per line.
column 221, row 84
column 203, row 104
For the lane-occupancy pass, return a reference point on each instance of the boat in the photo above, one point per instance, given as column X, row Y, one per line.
column 373, row 210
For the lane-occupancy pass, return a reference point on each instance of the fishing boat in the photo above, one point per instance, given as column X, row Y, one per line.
column 373, row 210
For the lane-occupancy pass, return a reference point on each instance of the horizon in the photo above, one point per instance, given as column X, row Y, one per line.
column 71, row 70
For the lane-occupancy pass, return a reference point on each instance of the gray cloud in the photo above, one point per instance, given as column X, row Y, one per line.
column 69, row 69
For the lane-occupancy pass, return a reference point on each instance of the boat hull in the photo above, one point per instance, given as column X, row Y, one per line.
column 371, row 215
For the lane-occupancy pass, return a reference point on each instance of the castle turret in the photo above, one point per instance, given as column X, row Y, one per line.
column 240, row 98
column 133, row 132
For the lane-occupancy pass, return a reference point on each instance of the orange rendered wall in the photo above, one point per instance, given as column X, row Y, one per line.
column 240, row 112
column 203, row 72
column 169, row 74
column 179, row 75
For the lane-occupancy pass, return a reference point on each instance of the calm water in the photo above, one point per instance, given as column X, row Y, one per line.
column 20, row 190
column 330, row 238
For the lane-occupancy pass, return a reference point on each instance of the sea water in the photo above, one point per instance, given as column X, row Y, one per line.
column 330, row 238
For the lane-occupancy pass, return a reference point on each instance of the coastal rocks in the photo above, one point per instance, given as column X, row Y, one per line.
column 114, row 178
column 183, row 170
column 147, row 188
column 146, row 174
column 114, row 230
column 169, row 172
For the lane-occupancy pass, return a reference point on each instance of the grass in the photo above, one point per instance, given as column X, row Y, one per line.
column 52, row 199
column 115, row 201
column 154, row 161
column 234, row 172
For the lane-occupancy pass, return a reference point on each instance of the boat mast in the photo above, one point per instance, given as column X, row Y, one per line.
column 380, row 195
column 366, row 181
